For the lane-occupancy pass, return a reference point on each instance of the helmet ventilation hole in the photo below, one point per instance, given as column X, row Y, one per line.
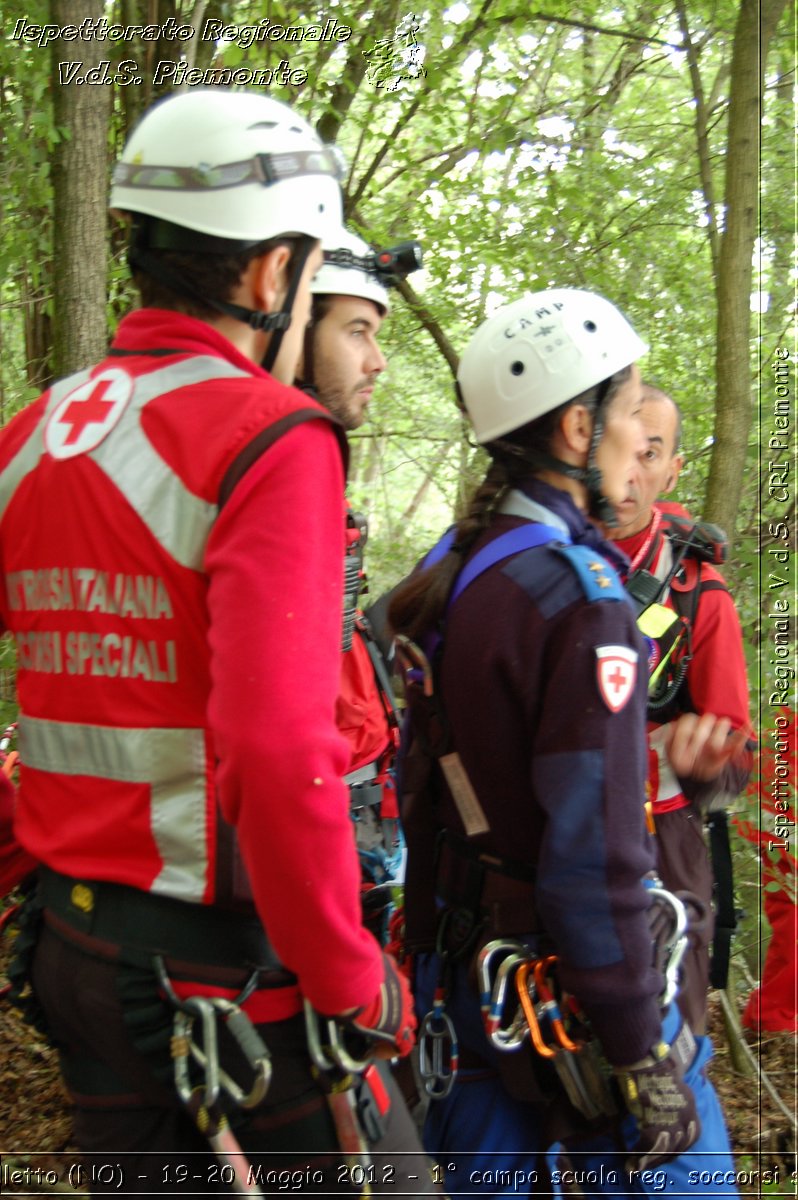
column 590, row 326
column 517, row 368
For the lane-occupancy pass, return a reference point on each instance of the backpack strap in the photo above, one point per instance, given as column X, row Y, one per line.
column 524, row 537
column 725, row 912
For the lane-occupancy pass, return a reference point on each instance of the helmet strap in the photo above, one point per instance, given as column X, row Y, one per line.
column 599, row 506
column 140, row 257
column 539, row 459
column 301, row 257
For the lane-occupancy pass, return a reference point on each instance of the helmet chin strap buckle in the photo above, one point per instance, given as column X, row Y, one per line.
column 267, row 322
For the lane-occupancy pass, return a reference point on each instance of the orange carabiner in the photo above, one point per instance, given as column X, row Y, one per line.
column 549, row 1004
column 522, row 984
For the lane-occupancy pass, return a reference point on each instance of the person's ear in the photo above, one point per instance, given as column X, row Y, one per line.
column 673, row 475
column 576, row 428
column 267, row 276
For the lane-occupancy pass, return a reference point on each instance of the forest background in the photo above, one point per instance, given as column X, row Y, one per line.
column 644, row 149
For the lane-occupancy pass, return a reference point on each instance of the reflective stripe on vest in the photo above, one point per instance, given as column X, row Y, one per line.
column 179, row 520
column 171, row 761
column 27, row 457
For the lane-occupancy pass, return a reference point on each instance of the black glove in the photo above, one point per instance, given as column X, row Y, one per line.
column 663, row 1105
column 389, row 1018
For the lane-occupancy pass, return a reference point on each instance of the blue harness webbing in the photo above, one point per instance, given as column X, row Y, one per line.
column 524, row 537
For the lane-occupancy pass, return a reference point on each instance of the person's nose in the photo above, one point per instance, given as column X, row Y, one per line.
column 376, row 361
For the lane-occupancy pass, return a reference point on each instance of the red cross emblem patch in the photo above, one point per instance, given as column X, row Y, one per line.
column 88, row 414
column 616, row 671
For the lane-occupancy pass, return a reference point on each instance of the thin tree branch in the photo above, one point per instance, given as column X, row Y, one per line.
column 707, row 184
column 428, row 322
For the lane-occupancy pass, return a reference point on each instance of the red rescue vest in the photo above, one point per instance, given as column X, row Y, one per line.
column 109, row 487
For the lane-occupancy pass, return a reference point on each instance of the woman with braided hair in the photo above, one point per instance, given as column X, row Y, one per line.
column 524, row 771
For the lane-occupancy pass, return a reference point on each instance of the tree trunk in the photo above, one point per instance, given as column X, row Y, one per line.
column 80, row 196
column 756, row 23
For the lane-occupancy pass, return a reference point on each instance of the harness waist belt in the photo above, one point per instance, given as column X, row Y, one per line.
column 126, row 918
column 484, row 884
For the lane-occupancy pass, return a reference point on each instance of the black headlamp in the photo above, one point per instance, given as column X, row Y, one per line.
column 398, row 262
column 388, row 266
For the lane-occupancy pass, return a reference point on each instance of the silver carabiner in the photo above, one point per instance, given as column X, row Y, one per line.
column 252, row 1047
column 327, row 1028
column 506, row 1037
column 341, row 1056
column 438, row 1053
column 313, row 1033
column 184, row 1047
column 675, row 943
column 484, row 963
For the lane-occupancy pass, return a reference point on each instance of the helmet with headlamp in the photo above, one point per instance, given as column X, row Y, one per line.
column 352, row 268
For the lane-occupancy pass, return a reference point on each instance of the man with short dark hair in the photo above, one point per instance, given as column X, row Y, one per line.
column 342, row 360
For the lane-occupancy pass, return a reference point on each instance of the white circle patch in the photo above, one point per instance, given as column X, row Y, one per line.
column 88, row 414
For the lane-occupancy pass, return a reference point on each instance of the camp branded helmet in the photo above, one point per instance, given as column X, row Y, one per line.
column 535, row 354
column 229, row 165
column 349, row 269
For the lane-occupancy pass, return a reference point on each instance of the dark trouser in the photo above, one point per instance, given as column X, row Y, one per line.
column 683, row 864
column 113, row 1031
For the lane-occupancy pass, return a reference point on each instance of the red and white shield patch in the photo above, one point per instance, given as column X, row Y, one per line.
column 616, row 672
column 88, row 414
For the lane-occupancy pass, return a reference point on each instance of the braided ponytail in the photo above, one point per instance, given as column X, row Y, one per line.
column 419, row 603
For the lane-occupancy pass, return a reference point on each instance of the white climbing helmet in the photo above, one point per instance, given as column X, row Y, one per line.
column 349, row 269
column 230, row 165
column 536, row 353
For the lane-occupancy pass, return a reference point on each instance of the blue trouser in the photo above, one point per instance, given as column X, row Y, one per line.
column 493, row 1145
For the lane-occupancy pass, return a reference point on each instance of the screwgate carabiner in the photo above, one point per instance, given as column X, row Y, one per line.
column 438, row 1050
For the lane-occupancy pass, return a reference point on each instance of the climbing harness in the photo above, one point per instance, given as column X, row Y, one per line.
column 520, row 1000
